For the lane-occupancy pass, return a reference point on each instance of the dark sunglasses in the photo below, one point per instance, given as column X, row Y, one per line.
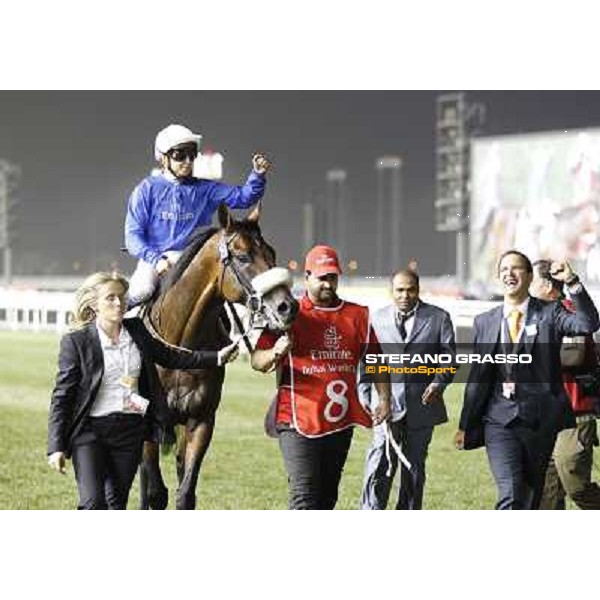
column 180, row 154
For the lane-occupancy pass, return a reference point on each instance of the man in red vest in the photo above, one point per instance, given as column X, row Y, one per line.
column 570, row 469
column 317, row 365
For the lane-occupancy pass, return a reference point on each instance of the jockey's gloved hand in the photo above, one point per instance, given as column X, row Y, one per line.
column 260, row 164
column 163, row 265
column 228, row 353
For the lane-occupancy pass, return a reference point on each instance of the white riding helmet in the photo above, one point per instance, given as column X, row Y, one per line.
column 172, row 136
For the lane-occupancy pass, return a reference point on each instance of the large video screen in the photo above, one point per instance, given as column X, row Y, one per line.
column 538, row 193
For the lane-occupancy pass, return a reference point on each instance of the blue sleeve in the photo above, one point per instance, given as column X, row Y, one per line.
column 237, row 196
column 136, row 223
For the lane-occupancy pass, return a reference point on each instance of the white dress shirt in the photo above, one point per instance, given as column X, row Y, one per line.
column 121, row 359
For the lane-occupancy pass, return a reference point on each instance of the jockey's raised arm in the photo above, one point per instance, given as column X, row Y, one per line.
column 166, row 208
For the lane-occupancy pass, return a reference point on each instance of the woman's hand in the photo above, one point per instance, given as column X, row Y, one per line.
column 228, row 353
column 57, row 462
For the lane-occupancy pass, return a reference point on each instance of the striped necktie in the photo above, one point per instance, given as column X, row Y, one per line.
column 402, row 318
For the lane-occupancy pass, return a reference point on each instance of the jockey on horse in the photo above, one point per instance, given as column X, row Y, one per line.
column 233, row 264
column 165, row 209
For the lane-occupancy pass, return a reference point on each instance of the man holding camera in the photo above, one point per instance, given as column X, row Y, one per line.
column 570, row 469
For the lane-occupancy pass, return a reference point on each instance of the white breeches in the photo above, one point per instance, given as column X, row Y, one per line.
column 145, row 278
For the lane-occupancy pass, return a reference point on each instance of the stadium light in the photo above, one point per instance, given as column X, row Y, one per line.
column 9, row 178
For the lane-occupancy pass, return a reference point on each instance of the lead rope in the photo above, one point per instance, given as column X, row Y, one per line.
column 389, row 440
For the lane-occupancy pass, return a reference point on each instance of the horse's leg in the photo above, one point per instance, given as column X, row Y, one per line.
column 180, row 457
column 154, row 493
column 144, row 502
column 198, row 441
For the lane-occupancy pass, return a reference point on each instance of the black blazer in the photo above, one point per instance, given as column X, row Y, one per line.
column 80, row 371
column 539, row 392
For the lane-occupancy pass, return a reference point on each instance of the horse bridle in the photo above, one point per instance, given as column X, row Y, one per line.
column 254, row 301
column 228, row 259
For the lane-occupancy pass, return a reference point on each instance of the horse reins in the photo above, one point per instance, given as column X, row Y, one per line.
column 254, row 301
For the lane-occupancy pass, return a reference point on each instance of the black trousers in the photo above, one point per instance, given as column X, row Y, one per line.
column 314, row 467
column 106, row 455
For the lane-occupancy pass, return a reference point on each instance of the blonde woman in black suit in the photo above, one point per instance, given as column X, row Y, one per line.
column 107, row 398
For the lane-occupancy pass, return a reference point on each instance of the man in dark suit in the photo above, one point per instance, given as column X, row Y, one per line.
column 516, row 410
column 413, row 327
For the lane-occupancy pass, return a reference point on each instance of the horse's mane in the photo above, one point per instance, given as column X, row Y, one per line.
column 197, row 242
column 174, row 275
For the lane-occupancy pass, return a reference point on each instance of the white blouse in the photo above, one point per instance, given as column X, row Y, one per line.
column 121, row 359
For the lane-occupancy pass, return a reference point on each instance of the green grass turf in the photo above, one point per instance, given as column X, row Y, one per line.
column 243, row 468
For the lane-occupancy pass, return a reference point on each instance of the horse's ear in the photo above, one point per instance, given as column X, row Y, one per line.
column 254, row 215
column 225, row 220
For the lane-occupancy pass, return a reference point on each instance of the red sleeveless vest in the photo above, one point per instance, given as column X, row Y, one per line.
column 323, row 368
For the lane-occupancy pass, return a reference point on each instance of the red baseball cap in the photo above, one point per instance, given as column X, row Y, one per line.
column 322, row 260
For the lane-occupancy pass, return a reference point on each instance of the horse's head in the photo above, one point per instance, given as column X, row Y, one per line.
column 249, row 275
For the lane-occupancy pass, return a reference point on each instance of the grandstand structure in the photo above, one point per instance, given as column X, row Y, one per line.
column 388, row 213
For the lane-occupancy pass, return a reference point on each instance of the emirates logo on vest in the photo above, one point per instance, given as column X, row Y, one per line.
column 332, row 349
column 331, row 338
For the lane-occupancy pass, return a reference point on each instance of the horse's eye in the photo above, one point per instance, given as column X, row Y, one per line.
column 244, row 258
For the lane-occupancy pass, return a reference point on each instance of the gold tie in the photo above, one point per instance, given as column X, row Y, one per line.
column 514, row 324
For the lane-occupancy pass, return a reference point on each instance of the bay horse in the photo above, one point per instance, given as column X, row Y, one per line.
column 227, row 265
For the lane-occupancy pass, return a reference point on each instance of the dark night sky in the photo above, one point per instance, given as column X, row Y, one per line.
column 82, row 152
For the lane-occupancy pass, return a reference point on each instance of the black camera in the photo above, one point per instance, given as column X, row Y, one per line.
column 589, row 383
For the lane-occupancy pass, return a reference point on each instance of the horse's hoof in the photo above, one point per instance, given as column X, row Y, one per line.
column 158, row 500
